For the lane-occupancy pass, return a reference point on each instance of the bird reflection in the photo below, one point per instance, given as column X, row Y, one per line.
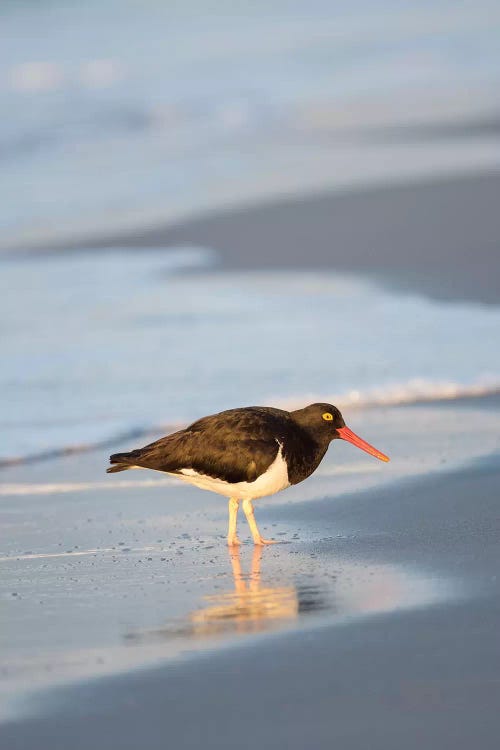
column 251, row 607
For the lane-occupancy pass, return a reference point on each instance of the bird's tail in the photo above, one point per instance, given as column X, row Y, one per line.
column 121, row 461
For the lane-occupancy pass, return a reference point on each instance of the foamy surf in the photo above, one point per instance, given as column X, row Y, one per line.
column 416, row 391
column 58, row 488
column 100, row 341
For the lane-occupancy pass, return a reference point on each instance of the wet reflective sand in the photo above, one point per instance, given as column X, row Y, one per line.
column 263, row 598
column 106, row 612
column 382, row 610
column 254, row 605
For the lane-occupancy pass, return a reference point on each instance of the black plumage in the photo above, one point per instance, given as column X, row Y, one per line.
column 238, row 445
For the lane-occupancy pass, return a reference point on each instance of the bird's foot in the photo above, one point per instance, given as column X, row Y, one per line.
column 233, row 541
column 260, row 542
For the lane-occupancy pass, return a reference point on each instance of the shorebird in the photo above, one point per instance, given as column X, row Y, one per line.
column 245, row 454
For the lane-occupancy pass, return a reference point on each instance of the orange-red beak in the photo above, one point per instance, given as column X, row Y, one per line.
column 346, row 434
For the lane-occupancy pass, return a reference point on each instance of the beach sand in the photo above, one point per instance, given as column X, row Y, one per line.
column 437, row 236
column 376, row 624
column 397, row 673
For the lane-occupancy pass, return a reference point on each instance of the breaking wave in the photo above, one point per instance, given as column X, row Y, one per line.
column 416, row 391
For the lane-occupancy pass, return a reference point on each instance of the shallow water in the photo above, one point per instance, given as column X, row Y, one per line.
column 97, row 345
column 159, row 108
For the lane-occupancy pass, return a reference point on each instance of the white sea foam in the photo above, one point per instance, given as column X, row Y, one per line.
column 62, row 488
column 415, row 391
column 105, row 350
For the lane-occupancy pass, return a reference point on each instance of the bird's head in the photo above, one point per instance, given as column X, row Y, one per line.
column 326, row 423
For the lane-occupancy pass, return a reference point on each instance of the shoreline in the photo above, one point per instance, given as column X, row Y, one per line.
column 470, row 397
column 353, row 666
column 437, row 237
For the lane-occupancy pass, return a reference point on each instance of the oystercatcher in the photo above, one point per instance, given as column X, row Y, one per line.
column 246, row 453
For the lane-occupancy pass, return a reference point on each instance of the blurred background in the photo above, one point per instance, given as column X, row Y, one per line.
column 124, row 122
column 119, row 111
column 208, row 204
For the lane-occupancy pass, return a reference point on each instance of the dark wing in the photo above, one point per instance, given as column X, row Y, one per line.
column 236, row 445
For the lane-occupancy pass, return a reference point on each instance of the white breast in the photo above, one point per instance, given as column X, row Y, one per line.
column 274, row 479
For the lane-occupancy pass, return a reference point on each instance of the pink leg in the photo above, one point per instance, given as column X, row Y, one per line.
column 232, row 537
column 248, row 511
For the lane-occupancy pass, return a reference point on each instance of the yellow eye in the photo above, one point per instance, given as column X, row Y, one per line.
column 327, row 416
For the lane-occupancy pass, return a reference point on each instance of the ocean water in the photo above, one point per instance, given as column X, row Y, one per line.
column 97, row 346
column 125, row 112
column 128, row 111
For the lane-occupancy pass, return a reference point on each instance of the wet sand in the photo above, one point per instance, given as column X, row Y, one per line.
column 423, row 675
column 437, row 236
